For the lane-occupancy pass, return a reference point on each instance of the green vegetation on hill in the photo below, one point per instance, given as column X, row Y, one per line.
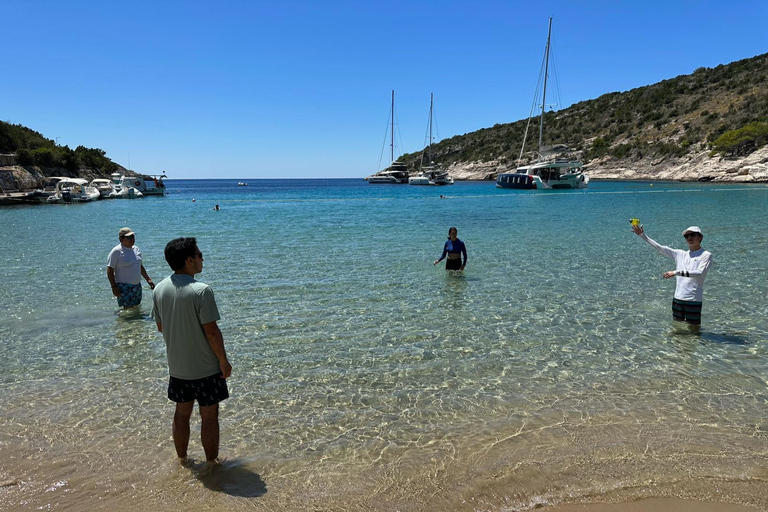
column 723, row 108
column 31, row 148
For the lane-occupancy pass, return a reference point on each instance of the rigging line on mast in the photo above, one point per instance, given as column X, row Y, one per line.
column 534, row 105
column 399, row 137
column 555, row 76
column 383, row 144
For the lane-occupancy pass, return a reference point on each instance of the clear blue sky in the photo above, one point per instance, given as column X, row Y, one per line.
column 300, row 89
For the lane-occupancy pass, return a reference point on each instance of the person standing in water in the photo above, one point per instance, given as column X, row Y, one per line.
column 455, row 250
column 125, row 270
column 186, row 313
column 691, row 268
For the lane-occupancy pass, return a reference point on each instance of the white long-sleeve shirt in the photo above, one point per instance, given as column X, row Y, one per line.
column 691, row 268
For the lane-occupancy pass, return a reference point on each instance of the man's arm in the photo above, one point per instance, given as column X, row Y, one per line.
column 661, row 249
column 146, row 277
column 111, row 277
column 216, row 341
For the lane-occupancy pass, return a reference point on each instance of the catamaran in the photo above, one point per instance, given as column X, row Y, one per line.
column 397, row 173
column 431, row 174
column 551, row 170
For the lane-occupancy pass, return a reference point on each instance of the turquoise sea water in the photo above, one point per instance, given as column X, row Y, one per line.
column 365, row 378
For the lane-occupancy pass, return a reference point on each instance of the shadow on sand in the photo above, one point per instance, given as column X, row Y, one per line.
column 234, row 478
column 730, row 339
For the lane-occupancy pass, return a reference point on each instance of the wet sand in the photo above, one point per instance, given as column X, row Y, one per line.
column 653, row 505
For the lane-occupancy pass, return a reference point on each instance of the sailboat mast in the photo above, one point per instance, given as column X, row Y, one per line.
column 544, row 93
column 392, row 140
column 430, row 128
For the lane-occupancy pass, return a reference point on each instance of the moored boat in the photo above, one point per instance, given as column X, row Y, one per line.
column 73, row 190
column 554, row 167
column 431, row 174
column 104, row 186
column 126, row 193
column 148, row 185
column 397, row 173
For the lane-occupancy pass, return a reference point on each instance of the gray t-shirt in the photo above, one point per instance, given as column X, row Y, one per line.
column 182, row 305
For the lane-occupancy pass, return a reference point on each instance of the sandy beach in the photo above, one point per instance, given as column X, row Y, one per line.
column 653, row 505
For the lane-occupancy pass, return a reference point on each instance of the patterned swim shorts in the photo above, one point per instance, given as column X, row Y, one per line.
column 130, row 294
column 207, row 391
column 686, row 311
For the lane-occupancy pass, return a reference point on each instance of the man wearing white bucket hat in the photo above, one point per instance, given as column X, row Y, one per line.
column 691, row 269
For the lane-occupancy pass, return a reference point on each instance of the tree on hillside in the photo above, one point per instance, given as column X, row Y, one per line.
column 742, row 141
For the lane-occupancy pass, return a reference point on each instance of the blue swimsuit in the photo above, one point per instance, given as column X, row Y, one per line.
column 452, row 247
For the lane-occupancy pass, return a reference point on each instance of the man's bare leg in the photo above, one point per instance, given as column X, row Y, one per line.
column 181, row 427
column 209, row 431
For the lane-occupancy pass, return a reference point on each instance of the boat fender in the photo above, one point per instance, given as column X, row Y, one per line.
column 137, row 183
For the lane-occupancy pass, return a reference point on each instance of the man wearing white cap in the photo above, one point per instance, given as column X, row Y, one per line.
column 125, row 270
column 691, row 269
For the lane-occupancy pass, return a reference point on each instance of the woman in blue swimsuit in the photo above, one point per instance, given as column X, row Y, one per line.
column 454, row 249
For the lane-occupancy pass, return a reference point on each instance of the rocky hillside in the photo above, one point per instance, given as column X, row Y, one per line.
column 682, row 128
column 27, row 158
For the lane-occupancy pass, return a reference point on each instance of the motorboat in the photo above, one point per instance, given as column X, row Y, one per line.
column 73, row 190
column 148, row 185
column 242, row 184
column 554, row 168
column 397, row 173
column 394, row 174
column 38, row 195
column 126, row 193
column 104, row 186
column 420, row 179
column 430, row 174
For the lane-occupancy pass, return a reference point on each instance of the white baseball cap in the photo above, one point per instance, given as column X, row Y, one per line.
column 694, row 229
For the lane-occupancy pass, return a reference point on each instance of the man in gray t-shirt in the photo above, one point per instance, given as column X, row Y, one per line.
column 186, row 313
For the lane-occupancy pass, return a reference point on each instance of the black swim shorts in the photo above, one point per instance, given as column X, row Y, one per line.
column 453, row 264
column 686, row 311
column 207, row 391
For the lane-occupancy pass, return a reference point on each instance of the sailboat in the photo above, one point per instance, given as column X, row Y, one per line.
column 550, row 171
column 397, row 173
column 430, row 174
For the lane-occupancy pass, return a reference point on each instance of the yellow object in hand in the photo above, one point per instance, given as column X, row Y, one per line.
column 635, row 222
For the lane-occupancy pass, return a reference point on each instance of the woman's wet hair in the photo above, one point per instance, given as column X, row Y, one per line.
column 452, row 229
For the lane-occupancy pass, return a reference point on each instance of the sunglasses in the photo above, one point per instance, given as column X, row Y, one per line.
column 199, row 254
column 129, row 236
column 689, row 235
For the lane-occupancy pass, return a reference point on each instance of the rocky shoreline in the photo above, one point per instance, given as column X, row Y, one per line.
column 752, row 168
column 699, row 166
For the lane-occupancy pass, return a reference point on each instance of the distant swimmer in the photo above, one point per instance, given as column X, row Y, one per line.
column 454, row 249
column 216, row 208
column 125, row 270
column 691, row 269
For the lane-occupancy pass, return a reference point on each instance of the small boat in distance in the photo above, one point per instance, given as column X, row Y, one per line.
column 554, row 168
column 242, row 184
column 430, row 174
column 397, row 173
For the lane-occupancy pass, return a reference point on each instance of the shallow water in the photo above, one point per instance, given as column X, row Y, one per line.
column 367, row 379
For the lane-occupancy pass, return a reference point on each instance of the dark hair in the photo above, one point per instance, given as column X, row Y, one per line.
column 178, row 250
column 449, row 231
